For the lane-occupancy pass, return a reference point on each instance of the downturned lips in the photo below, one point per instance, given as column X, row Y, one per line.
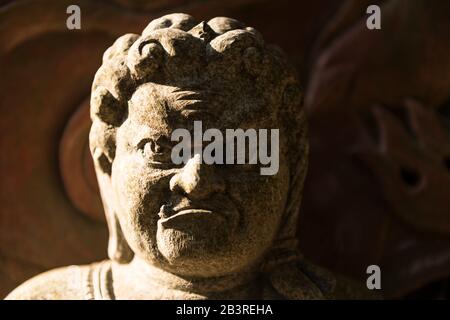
column 181, row 210
column 168, row 213
column 185, row 213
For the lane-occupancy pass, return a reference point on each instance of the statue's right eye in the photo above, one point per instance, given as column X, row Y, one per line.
column 146, row 146
column 157, row 152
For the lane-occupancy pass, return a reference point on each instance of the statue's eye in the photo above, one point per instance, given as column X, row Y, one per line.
column 157, row 151
column 148, row 147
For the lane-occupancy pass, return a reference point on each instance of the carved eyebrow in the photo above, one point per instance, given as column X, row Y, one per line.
column 186, row 95
column 180, row 94
column 186, row 100
column 191, row 104
column 194, row 103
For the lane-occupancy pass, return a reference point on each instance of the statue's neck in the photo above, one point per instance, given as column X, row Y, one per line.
column 142, row 280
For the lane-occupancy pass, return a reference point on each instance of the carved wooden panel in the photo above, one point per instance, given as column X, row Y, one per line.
column 380, row 140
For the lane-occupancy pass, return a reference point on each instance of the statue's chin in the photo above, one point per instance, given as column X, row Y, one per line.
column 193, row 252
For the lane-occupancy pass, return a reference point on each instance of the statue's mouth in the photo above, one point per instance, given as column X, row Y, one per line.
column 187, row 212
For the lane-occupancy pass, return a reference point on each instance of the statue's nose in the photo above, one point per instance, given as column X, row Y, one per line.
column 197, row 180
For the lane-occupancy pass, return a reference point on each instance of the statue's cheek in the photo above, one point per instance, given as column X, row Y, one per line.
column 144, row 189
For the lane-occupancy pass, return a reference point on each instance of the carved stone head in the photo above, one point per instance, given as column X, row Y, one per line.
column 180, row 71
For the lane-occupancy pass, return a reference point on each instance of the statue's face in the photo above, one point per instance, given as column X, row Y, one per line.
column 194, row 218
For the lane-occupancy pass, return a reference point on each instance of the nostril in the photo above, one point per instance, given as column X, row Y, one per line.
column 175, row 188
column 410, row 176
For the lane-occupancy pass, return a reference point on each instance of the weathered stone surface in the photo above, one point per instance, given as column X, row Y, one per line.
column 180, row 70
column 51, row 214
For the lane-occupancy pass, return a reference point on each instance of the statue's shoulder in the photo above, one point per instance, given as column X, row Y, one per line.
column 66, row 283
column 304, row 280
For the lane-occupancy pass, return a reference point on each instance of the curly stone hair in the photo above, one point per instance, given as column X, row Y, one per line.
column 178, row 50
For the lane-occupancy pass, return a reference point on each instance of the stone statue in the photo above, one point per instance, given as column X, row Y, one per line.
column 193, row 231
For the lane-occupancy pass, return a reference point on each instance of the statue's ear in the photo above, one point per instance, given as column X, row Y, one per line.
column 106, row 108
column 102, row 141
column 118, row 248
column 102, row 161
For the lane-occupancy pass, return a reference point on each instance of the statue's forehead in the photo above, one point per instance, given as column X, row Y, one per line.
column 173, row 107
